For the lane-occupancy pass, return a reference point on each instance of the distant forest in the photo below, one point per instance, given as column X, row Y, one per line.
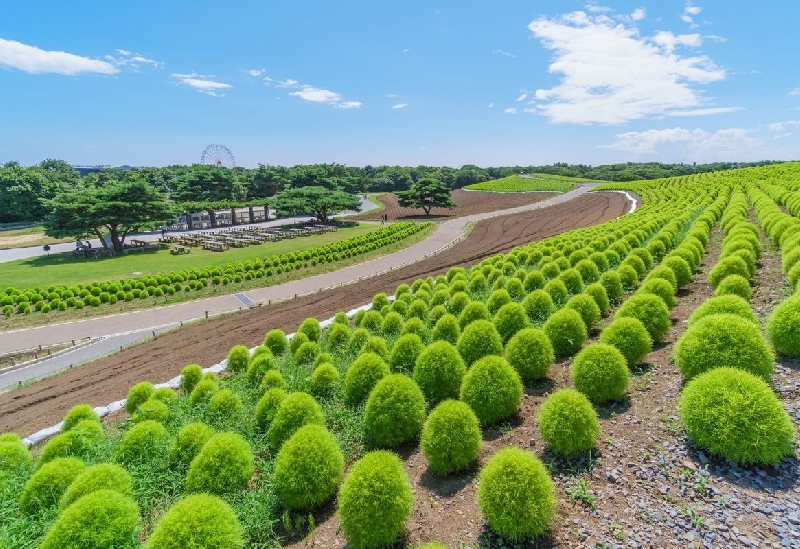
column 24, row 191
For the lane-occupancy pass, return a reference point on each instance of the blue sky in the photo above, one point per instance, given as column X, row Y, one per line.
column 417, row 82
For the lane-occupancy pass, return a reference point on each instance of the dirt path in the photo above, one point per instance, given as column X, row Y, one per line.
column 45, row 403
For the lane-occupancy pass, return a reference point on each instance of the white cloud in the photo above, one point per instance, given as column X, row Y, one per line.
column 592, row 8
column 491, row 105
column 610, row 74
column 510, row 110
column 202, row 83
column 320, row 95
column 256, row 72
column 400, row 106
column 288, row 83
column 392, row 95
column 715, row 38
column 33, row 60
column 405, row 50
column 688, row 12
column 693, row 10
column 123, row 52
column 638, row 14
column 522, row 97
column 780, row 126
column 707, row 111
column 694, row 144
column 504, row 54
column 529, row 110
column 795, row 92
column 134, row 61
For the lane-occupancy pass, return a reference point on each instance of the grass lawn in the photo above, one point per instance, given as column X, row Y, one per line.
column 66, row 269
column 517, row 184
column 29, row 236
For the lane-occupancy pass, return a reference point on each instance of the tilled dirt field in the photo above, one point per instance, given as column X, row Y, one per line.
column 467, row 203
column 45, row 403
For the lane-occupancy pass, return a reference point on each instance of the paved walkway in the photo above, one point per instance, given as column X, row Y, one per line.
column 116, row 328
column 14, row 254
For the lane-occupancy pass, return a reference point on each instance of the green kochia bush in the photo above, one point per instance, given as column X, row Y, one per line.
column 361, row 377
column 566, row 331
column 202, row 392
column 510, row 319
column 104, row 476
column 268, row 406
column 270, row 380
column 375, row 500
column 662, row 288
column 586, row 307
column 324, row 380
column 78, row 441
column 446, row 329
column 723, row 340
column 224, row 404
column 294, row 411
column 736, row 415
column 479, row 339
column 493, row 389
column 516, row 495
column 538, row 306
column 651, row 311
column 238, row 359
column 199, row 520
column 404, row 353
column 190, row 376
column 311, row 328
column 568, row 423
column 630, row 337
column 600, row 372
column 727, row 266
column 190, row 439
column 77, row 414
column 152, row 409
column 395, row 411
column 612, row 283
column 734, row 285
column 101, row 519
column 474, row 310
column 725, row 304
column 308, row 469
column 145, row 441
column 276, row 341
column 597, row 292
column 783, row 327
column 451, row 437
column 47, row 485
column 530, row 353
column 14, row 457
column 138, row 394
column 224, row 465
column 439, row 371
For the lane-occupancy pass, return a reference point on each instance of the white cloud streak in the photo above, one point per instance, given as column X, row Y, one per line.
column 696, row 143
column 34, row 60
column 794, row 93
column 202, row 83
column 133, row 61
column 638, row 14
column 781, row 126
column 313, row 94
column 504, row 54
column 610, row 74
column 510, row 110
column 400, row 106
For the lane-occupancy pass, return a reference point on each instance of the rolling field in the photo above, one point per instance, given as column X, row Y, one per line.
column 517, row 184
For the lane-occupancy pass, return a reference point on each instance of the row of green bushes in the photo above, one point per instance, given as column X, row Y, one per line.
column 94, row 294
column 517, row 184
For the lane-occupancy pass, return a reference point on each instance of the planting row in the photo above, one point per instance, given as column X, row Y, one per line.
column 95, row 294
column 517, row 184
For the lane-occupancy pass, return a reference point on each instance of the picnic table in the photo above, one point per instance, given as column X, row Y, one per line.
column 214, row 246
column 98, row 252
column 177, row 250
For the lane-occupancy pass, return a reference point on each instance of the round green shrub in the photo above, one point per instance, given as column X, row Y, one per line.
column 783, row 327
column 516, row 495
column 224, row 404
column 734, row 285
column 198, row 520
column 379, row 301
column 337, row 336
column 306, row 353
column 439, row 371
column 566, row 331
column 405, row 352
column 297, row 341
column 190, row 376
column 101, row 519
column 223, row 466
column 78, row 441
column 727, row 266
column 415, row 325
column 572, row 281
column 392, row 324
column 664, row 273
column 612, row 282
column 661, row 288
column 586, row 307
column 48, row 483
column 324, row 380
column 630, row 337
column 651, row 311
column 308, row 468
column 14, row 457
column 144, row 442
column 104, row 476
column 77, row 414
column 725, row 304
column 311, row 328
column 457, row 302
column 375, row 500
column 587, row 270
column 138, row 394
column 395, row 411
column 418, row 309
column 598, row 293
column 530, row 353
column 510, row 319
column 373, row 320
column 294, row 411
column 451, row 437
column 600, row 372
column 497, row 299
column 166, row 395
column 151, row 409
column 479, row 339
column 474, row 311
column 534, row 280
column 276, row 342
column 737, row 416
column 10, row 437
column 267, row 407
column 361, row 377
column 238, row 359
column 357, row 340
column 723, row 340
column 446, row 329
column 558, row 291
column 628, row 277
column 493, row 389
column 190, row 439
column 259, row 366
column 682, row 269
column 376, row 345
column 202, row 392
column 538, row 306
column 568, row 423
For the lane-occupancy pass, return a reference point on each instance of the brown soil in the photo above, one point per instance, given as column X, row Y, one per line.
column 45, row 403
column 467, row 203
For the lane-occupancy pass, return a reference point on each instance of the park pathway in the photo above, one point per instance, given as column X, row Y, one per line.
column 116, row 330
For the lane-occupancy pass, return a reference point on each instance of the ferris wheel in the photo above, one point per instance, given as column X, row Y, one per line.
column 217, row 155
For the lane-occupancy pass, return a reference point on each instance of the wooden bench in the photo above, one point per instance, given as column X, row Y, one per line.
column 177, row 250
column 214, row 246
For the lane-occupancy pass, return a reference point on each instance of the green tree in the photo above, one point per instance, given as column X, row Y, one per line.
column 117, row 208
column 426, row 193
column 317, row 201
